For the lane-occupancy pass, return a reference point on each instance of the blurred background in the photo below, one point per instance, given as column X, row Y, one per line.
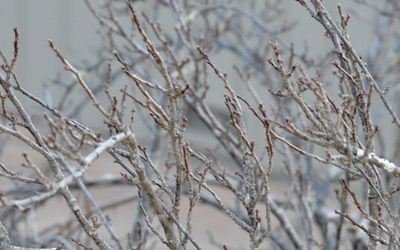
column 74, row 30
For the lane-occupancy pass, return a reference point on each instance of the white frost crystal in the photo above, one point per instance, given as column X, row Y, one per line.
column 381, row 162
column 387, row 165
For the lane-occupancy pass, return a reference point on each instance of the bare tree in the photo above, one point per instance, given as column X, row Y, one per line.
column 295, row 159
